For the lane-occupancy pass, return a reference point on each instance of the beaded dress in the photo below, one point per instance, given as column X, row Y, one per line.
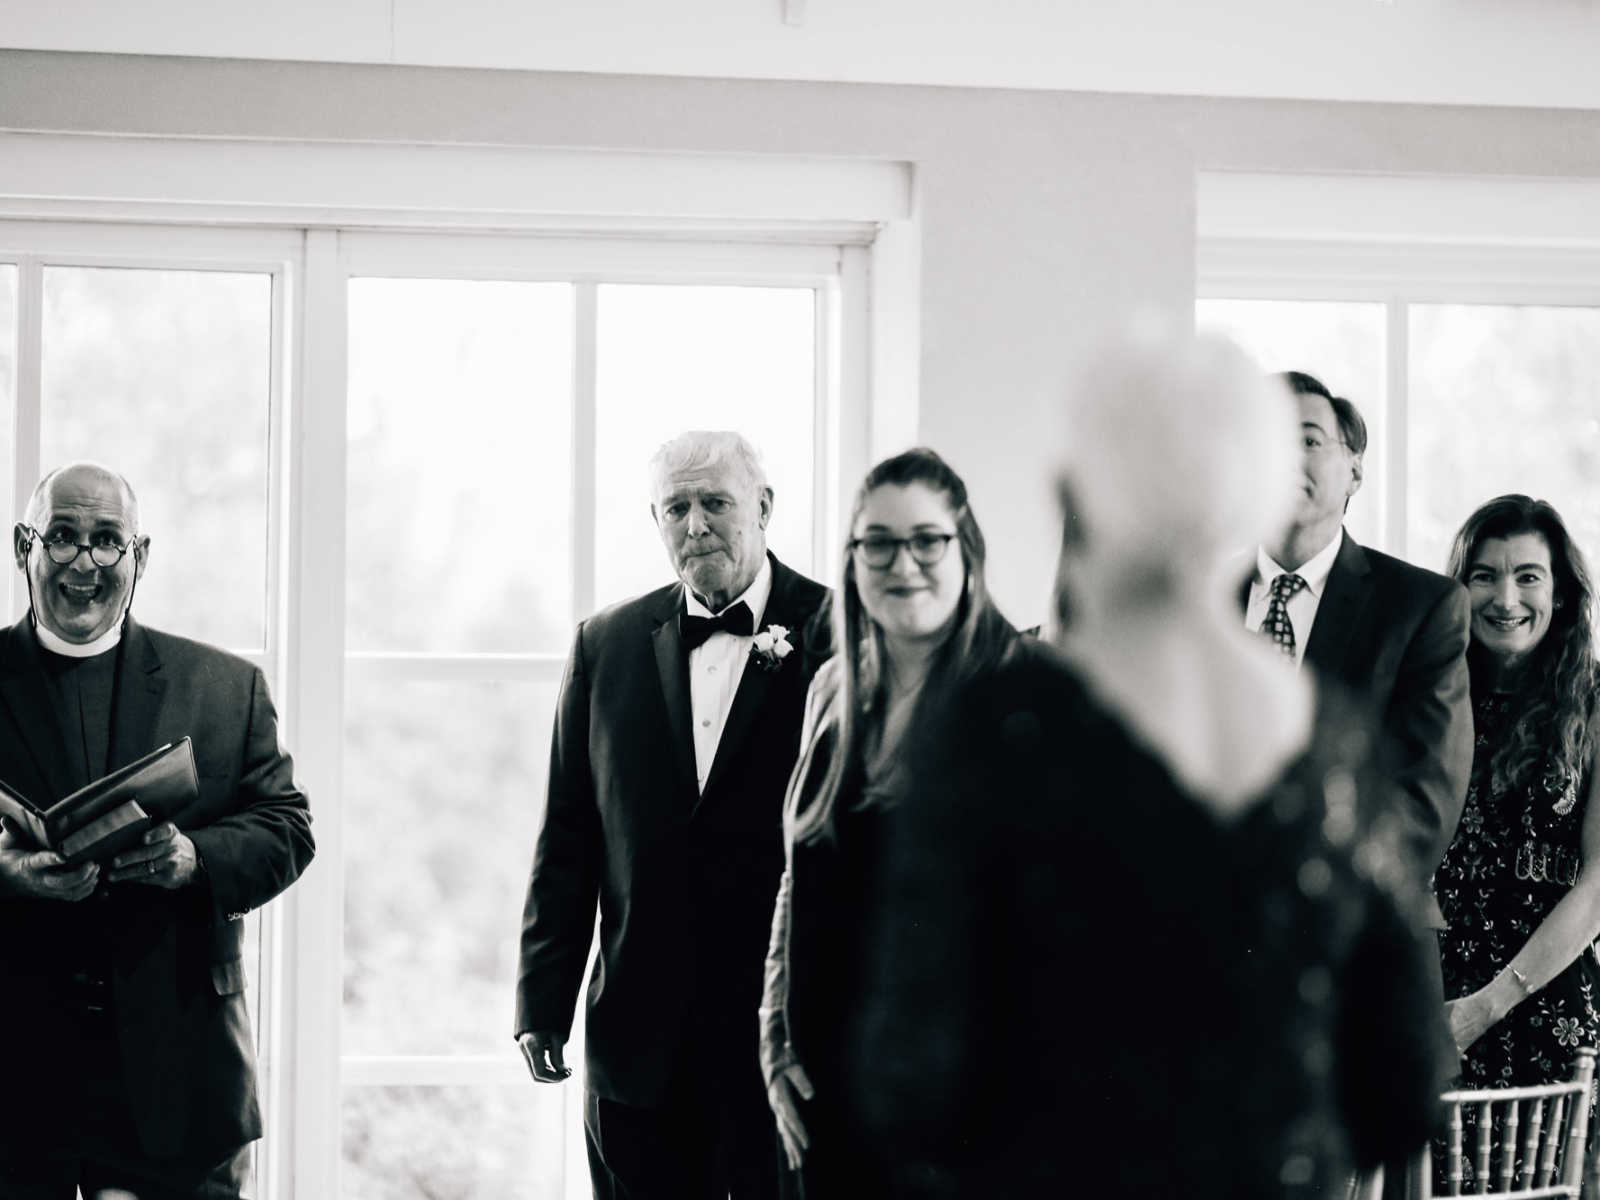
column 1515, row 855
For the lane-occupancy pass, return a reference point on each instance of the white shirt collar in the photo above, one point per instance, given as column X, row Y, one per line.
column 755, row 597
column 1314, row 570
column 59, row 645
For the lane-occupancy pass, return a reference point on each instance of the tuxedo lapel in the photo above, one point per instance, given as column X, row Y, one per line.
column 140, row 687
column 24, row 694
column 672, row 666
column 757, row 682
column 1343, row 597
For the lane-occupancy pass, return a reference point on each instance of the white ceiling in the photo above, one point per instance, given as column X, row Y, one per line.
column 1511, row 52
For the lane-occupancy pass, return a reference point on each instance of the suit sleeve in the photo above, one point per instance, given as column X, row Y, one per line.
column 558, row 914
column 1429, row 721
column 261, row 847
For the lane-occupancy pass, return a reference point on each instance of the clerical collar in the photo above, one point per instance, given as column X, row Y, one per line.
column 59, row 645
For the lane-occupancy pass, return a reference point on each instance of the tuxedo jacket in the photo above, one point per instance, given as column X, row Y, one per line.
column 1397, row 634
column 176, row 974
column 685, row 881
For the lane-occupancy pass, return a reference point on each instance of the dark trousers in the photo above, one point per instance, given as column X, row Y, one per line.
column 31, row 1174
column 92, row 1142
column 699, row 1144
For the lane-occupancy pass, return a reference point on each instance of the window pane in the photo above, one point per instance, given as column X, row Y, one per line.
column 8, row 385
column 444, row 784
column 1342, row 344
column 459, row 466
column 453, row 1143
column 1503, row 399
column 677, row 358
column 166, row 376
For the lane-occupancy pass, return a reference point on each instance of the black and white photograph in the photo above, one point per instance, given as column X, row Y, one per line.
column 800, row 599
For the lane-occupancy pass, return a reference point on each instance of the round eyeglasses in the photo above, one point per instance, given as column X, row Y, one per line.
column 63, row 550
column 880, row 551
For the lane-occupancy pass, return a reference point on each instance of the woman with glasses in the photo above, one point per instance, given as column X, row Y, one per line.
column 913, row 622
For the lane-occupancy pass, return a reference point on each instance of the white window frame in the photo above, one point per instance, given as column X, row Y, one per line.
column 1397, row 241
column 314, row 214
column 35, row 245
column 586, row 265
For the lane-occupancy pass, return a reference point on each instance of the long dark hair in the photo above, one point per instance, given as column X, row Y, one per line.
column 977, row 640
column 1557, row 691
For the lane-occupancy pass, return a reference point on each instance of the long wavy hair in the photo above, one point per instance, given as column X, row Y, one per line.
column 1557, row 693
column 978, row 638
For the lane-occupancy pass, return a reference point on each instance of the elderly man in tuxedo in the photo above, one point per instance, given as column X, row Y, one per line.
column 677, row 727
column 1385, row 629
column 129, row 1060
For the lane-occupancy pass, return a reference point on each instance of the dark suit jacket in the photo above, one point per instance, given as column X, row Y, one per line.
column 685, row 881
column 1397, row 634
column 177, row 976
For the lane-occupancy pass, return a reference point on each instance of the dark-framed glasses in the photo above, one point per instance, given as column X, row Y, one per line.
column 880, row 550
column 63, row 550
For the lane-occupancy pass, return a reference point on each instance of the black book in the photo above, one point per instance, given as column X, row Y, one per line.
column 104, row 818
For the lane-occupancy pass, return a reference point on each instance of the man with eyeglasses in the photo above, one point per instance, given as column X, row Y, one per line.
column 1387, row 630
column 129, row 1060
column 676, row 729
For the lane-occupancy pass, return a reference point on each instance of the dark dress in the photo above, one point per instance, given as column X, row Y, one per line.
column 1515, row 855
column 1086, row 984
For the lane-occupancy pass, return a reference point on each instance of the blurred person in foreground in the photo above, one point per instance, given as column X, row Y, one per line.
column 130, row 1061
column 1140, row 934
column 913, row 623
column 675, row 731
column 1520, row 885
column 1387, row 630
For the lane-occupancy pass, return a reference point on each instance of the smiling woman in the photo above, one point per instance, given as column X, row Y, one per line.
column 1520, row 885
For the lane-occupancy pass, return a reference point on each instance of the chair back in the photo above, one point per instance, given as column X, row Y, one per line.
column 1529, row 1142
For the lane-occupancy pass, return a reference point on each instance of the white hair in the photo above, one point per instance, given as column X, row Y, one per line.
column 1179, row 449
column 700, row 449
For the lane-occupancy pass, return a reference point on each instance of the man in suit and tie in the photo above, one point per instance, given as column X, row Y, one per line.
column 677, row 727
column 1387, row 630
column 129, row 1058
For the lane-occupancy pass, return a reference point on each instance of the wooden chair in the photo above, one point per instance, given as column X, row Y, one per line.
column 1541, row 1149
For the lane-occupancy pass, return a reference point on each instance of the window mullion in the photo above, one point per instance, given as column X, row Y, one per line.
column 27, row 417
column 585, row 319
column 1397, row 411
column 314, row 648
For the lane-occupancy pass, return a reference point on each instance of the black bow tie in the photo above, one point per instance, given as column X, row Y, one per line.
column 735, row 619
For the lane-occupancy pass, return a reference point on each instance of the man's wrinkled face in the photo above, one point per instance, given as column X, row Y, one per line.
column 713, row 522
column 80, row 600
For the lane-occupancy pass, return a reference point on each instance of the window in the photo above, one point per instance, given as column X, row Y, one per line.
column 115, row 346
column 8, row 372
column 497, row 436
column 167, row 375
column 1496, row 399
column 1462, row 316
column 411, row 454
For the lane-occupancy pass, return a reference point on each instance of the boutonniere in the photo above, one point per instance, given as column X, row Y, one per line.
column 770, row 647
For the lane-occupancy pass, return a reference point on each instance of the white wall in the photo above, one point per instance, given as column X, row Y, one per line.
column 1520, row 52
column 1043, row 216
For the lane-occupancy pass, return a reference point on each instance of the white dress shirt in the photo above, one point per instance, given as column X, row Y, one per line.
column 1303, row 604
column 715, row 668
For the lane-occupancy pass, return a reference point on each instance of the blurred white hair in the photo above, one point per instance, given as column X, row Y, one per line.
column 700, row 449
column 1179, row 450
